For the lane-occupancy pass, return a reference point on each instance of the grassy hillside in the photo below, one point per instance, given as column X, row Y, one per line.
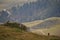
column 8, row 33
column 54, row 30
column 39, row 24
column 50, row 25
column 33, row 23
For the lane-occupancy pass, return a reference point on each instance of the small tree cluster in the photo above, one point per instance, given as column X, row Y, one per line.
column 23, row 27
column 16, row 25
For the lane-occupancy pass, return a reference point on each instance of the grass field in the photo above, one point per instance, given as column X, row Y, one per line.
column 8, row 33
column 54, row 30
column 33, row 23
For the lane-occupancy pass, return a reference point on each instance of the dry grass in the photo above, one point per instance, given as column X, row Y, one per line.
column 7, row 33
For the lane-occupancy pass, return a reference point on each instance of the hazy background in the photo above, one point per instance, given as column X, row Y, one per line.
column 29, row 10
column 9, row 3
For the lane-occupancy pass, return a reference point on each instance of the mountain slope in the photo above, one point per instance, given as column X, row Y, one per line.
column 7, row 33
column 43, row 23
column 4, row 16
column 54, row 30
column 41, row 9
column 31, row 11
column 33, row 23
column 50, row 25
column 47, row 23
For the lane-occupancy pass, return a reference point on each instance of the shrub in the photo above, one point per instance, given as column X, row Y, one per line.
column 23, row 27
column 15, row 25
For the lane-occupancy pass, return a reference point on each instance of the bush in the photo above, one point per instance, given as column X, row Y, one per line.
column 23, row 27
column 15, row 25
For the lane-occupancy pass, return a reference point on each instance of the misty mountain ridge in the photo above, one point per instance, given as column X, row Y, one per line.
column 39, row 10
column 4, row 16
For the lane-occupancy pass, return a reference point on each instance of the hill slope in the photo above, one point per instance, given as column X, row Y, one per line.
column 33, row 23
column 50, row 25
column 47, row 23
column 54, row 30
column 7, row 33
column 43, row 23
